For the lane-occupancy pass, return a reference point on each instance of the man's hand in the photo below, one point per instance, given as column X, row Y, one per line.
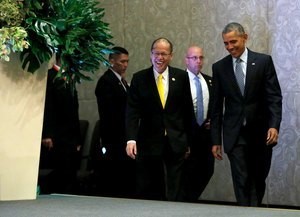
column 131, row 149
column 187, row 153
column 47, row 143
column 217, row 152
column 272, row 136
column 207, row 125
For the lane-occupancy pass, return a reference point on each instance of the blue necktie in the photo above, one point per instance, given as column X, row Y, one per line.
column 199, row 110
column 240, row 77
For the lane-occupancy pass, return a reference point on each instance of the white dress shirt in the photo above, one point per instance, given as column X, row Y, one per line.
column 204, row 92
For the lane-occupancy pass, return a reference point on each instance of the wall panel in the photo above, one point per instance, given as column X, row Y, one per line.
column 273, row 27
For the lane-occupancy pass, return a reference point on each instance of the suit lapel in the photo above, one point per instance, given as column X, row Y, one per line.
column 231, row 75
column 172, row 83
column 208, row 81
column 116, row 81
column 250, row 71
column 171, row 87
column 153, row 87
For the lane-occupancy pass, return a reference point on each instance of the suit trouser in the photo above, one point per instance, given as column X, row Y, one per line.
column 62, row 159
column 116, row 172
column 250, row 165
column 160, row 177
column 199, row 166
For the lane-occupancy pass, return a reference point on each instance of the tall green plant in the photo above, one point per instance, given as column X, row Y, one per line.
column 83, row 37
column 72, row 28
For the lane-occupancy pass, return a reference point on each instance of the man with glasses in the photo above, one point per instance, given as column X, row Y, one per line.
column 158, row 123
column 199, row 165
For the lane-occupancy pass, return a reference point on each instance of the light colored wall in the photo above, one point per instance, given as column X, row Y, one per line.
column 273, row 27
column 22, row 97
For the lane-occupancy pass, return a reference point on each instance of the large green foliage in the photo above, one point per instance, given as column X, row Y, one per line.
column 72, row 28
column 82, row 37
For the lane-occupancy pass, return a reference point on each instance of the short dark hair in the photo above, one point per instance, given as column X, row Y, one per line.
column 162, row 39
column 234, row 27
column 117, row 51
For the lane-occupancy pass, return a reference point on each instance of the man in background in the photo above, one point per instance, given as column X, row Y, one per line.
column 61, row 139
column 199, row 165
column 111, row 93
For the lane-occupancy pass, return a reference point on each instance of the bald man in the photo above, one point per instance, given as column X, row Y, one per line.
column 158, row 124
column 199, row 166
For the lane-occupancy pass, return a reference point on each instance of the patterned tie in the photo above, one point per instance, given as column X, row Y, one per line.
column 124, row 83
column 240, row 77
column 199, row 110
column 161, row 89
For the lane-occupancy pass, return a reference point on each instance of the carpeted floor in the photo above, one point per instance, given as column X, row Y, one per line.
column 84, row 206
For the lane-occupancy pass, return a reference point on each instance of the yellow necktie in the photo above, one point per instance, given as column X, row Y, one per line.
column 161, row 89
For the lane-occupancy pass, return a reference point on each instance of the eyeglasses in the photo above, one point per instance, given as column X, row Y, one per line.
column 157, row 54
column 194, row 58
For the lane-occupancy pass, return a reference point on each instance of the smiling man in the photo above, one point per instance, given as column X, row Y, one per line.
column 158, row 123
column 246, row 87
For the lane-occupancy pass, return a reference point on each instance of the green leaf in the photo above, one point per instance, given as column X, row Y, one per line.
column 74, row 28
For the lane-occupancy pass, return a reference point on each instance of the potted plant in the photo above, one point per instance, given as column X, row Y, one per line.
column 30, row 33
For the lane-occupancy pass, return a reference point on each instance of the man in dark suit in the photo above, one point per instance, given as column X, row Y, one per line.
column 111, row 93
column 199, row 166
column 158, row 124
column 61, row 139
column 247, row 104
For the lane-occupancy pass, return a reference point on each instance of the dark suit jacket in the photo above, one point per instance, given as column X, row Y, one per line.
column 111, row 99
column 147, row 120
column 200, row 132
column 61, row 118
column 208, row 80
column 260, row 105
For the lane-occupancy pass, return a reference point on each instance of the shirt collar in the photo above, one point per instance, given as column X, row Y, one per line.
column 164, row 74
column 117, row 74
column 243, row 57
column 192, row 75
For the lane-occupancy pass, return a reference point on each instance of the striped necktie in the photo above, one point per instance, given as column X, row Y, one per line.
column 124, row 82
column 199, row 110
column 240, row 77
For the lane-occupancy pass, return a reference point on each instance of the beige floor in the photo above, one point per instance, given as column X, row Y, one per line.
column 83, row 206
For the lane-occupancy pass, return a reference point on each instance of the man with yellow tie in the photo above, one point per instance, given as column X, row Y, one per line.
column 158, row 124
